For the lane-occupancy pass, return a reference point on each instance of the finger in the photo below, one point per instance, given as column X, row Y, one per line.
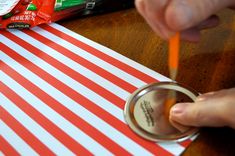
column 197, row 114
column 141, row 8
column 184, row 14
column 157, row 21
column 153, row 12
column 179, row 126
column 192, row 35
column 157, row 5
column 211, row 22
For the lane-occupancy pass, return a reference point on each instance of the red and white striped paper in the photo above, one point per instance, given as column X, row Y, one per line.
column 63, row 94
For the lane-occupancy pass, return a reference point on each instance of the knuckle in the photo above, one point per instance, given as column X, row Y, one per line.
column 197, row 117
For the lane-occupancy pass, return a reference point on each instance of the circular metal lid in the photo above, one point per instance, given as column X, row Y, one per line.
column 147, row 113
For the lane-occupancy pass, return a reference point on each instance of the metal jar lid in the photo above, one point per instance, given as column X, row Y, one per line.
column 145, row 112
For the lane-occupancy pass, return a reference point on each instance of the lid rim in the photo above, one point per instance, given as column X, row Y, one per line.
column 130, row 119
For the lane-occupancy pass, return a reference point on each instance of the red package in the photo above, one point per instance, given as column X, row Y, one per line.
column 21, row 14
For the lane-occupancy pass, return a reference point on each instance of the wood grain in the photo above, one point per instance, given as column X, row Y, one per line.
column 206, row 66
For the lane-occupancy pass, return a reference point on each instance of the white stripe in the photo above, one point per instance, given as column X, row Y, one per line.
column 175, row 148
column 41, row 134
column 193, row 137
column 58, row 120
column 112, row 53
column 90, row 57
column 74, row 65
column 172, row 147
column 105, row 128
column 1, row 154
column 14, row 140
column 76, row 86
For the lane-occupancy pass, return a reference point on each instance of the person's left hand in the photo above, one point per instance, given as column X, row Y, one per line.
column 215, row 109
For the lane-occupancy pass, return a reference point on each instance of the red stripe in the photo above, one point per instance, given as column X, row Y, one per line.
column 50, row 127
column 6, row 148
column 26, row 135
column 66, row 113
column 89, row 65
column 125, row 67
column 70, row 72
column 185, row 143
column 111, row 120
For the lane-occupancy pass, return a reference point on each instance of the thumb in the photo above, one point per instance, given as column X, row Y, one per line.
column 196, row 114
column 184, row 14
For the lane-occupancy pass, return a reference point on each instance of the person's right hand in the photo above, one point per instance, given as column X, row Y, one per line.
column 187, row 16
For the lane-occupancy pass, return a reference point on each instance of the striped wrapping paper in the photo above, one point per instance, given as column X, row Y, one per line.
column 63, row 94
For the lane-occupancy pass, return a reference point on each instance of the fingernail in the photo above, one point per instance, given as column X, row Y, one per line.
column 178, row 109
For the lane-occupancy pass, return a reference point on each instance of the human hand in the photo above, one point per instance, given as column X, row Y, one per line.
column 215, row 109
column 186, row 16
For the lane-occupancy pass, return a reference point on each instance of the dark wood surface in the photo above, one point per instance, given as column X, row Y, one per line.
column 206, row 66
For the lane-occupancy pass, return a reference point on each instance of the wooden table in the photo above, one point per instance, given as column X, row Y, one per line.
column 206, row 66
